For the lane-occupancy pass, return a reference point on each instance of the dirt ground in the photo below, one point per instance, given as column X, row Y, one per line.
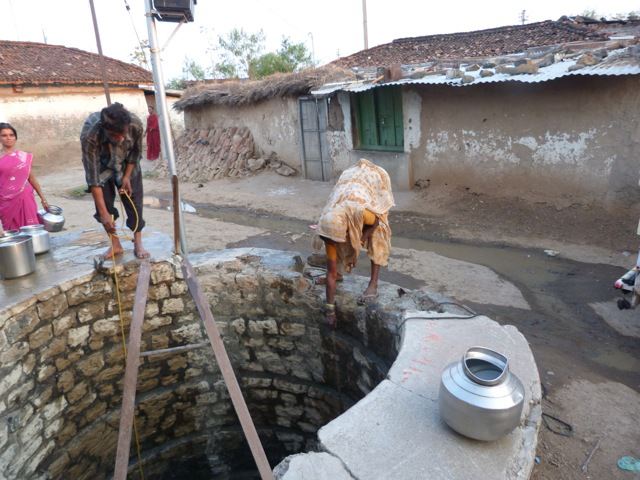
column 487, row 252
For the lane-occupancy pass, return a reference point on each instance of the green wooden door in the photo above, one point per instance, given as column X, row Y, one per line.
column 367, row 116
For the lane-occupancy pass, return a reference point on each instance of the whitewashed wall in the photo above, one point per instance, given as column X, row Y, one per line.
column 575, row 138
column 49, row 118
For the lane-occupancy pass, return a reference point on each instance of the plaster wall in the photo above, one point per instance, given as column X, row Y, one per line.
column 575, row 138
column 49, row 118
column 273, row 123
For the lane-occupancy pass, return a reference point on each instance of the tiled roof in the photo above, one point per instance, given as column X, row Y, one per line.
column 28, row 63
column 477, row 44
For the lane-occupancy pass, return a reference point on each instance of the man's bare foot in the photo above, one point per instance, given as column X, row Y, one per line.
column 140, row 252
column 112, row 252
column 323, row 280
column 138, row 249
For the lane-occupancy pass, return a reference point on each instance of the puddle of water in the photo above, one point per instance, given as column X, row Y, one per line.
column 531, row 268
column 618, row 360
column 163, row 203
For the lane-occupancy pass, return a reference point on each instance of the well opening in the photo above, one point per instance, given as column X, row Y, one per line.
column 63, row 364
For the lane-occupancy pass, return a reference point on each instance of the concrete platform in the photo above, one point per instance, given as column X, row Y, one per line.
column 71, row 257
column 396, row 431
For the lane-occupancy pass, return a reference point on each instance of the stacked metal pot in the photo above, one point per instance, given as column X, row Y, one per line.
column 18, row 248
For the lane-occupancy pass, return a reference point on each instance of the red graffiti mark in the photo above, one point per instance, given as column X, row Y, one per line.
column 434, row 337
column 422, row 361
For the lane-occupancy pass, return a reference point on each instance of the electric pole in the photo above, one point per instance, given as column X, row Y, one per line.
column 364, row 24
column 523, row 17
column 103, row 67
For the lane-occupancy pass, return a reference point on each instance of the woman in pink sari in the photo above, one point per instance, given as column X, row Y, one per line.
column 17, row 183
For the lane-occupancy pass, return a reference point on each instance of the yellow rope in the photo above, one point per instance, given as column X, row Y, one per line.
column 122, row 333
column 135, row 212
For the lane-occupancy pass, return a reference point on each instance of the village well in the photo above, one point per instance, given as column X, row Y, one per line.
column 62, row 367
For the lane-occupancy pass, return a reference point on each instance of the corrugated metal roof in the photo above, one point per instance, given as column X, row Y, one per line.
column 623, row 61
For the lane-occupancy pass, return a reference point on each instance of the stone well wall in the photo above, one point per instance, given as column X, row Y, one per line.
column 62, row 365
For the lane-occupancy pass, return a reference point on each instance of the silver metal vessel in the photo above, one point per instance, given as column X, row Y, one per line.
column 10, row 233
column 17, row 257
column 40, row 237
column 479, row 397
column 52, row 218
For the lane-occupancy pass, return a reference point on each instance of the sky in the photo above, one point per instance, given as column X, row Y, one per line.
column 329, row 28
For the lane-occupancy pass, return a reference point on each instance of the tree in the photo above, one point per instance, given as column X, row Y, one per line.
column 291, row 57
column 589, row 13
column 240, row 56
column 176, row 84
column 138, row 56
column 191, row 70
column 237, row 50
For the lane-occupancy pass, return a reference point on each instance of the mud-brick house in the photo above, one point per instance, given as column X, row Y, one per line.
column 47, row 91
column 549, row 108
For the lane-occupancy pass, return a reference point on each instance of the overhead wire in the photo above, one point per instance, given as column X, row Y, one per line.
column 141, row 45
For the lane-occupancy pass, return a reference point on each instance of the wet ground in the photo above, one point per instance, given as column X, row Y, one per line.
column 563, row 329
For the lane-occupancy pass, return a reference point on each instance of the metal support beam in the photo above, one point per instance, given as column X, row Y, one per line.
column 163, row 115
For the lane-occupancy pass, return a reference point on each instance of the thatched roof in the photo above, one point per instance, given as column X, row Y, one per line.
column 245, row 92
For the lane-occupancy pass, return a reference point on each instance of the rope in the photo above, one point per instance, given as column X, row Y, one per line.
column 122, row 332
column 122, row 224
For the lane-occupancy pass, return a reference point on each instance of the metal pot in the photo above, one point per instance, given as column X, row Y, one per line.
column 479, row 397
column 11, row 233
column 16, row 256
column 52, row 218
column 39, row 236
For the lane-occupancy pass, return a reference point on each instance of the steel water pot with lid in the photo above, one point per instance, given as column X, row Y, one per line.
column 40, row 237
column 479, row 397
column 52, row 218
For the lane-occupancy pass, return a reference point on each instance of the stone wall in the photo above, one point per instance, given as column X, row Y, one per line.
column 62, row 365
column 206, row 154
column 274, row 124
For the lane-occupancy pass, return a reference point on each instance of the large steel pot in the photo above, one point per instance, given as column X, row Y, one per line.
column 479, row 397
column 10, row 233
column 40, row 237
column 16, row 256
column 52, row 218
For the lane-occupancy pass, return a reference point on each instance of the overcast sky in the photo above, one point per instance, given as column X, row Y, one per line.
column 330, row 28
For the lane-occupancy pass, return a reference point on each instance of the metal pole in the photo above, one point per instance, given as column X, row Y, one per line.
column 102, row 66
column 364, row 24
column 313, row 50
column 165, row 127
